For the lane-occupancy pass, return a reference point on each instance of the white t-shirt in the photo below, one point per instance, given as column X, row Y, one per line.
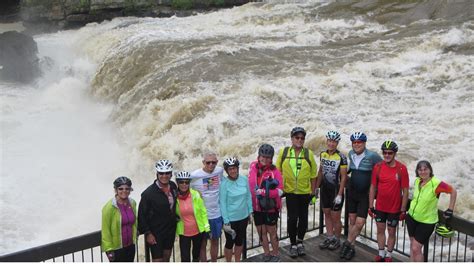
column 208, row 185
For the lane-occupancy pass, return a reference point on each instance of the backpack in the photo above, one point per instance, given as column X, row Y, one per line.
column 285, row 155
column 265, row 202
column 399, row 173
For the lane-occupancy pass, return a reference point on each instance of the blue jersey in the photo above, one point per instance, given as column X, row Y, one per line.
column 361, row 176
column 235, row 200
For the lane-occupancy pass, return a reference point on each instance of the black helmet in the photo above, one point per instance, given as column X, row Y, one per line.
column 266, row 150
column 232, row 161
column 297, row 130
column 389, row 145
column 122, row 180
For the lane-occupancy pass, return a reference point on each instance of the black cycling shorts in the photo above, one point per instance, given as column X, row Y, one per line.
column 163, row 242
column 358, row 203
column 328, row 194
column 266, row 218
column 420, row 231
column 384, row 217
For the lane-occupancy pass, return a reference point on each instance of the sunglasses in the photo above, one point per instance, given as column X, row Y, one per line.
column 165, row 173
column 357, row 142
column 184, row 182
column 388, row 152
column 299, row 138
column 125, row 188
column 210, row 162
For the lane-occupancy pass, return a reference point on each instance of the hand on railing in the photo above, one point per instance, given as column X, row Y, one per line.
column 372, row 212
column 150, row 239
column 110, row 255
column 403, row 215
column 448, row 214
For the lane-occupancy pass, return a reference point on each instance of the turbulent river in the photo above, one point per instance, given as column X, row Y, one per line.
column 116, row 96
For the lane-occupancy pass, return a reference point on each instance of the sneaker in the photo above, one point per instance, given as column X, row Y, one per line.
column 267, row 258
column 350, row 253
column 300, row 249
column 293, row 251
column 325, row 243
column 388, row 259
column 379, row 258
column 345, row 248
column 274, row 259
column 335, row 244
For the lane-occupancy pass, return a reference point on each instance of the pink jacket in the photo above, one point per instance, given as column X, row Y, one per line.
column 267, row 173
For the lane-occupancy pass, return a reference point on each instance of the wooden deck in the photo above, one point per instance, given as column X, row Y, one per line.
column 314, row 254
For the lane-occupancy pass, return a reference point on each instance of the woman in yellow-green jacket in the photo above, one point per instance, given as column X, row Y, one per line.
column 193, row 223
column 119, row 223
column 423, row 213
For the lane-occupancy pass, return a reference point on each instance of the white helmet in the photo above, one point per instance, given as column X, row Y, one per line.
column 183, row 175
column 163, row 166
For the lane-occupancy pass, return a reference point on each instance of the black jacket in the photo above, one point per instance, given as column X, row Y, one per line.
column 154, row 213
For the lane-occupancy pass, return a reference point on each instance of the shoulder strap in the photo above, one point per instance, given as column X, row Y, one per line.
column 283, row 157
column 285, row 154
column 306, row 157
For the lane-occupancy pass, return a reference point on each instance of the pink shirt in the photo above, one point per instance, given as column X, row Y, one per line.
column 254, row 183
column 128, row 219
column 187, row 216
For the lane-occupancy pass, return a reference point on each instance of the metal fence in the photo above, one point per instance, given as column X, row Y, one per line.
column 86, row 248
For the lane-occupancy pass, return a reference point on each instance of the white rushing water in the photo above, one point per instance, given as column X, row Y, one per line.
column 121, row 94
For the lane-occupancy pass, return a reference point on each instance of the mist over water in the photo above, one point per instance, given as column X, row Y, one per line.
column 121, row 94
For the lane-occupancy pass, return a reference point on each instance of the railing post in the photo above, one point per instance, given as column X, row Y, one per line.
column 346, row 215
column 425, row 250
column 244, row 249
column 321, row 217
column 147, row 250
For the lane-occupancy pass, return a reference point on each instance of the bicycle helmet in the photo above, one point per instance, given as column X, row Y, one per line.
column 443, row 230
column 359, row 136
column 389, row 145
column 297, row 130
column 122, row 180
column 163, row 166
column 333, row 135
column 232, row 161
column 183, row 175
column 266, row 150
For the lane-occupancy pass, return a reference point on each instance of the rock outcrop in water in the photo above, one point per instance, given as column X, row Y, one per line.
column 18, row 57
column 70, row 13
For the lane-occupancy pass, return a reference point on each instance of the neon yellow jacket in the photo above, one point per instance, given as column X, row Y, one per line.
column 300, row 184
column 111, row 232
column 200, row 213
column 424, row 205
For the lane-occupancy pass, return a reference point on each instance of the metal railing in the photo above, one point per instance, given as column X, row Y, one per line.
column 86, row 248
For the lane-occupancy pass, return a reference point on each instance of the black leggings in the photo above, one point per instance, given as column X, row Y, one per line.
column 126, row 254
column 297, row 206
column 240, row 228
column 185, row 247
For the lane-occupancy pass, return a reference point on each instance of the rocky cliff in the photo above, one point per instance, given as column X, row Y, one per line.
column 69, row 13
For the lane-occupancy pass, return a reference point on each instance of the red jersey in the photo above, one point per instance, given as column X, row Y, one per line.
column 390, row 183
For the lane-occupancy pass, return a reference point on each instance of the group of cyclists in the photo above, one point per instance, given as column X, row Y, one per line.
column 205, row 202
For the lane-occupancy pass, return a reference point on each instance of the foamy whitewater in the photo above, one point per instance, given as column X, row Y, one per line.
column 119, row 95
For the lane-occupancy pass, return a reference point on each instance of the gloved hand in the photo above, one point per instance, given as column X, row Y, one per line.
column 403, row 215
column 338, row 200
column 372, row 212
column 229, row 230
column 260, row 192
column 448, row 214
